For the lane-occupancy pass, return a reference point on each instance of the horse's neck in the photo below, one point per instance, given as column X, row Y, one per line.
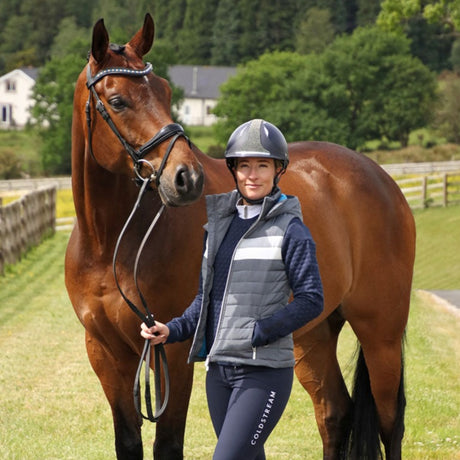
column 103, row 208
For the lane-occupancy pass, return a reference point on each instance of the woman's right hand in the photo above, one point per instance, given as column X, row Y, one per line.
column 156, row 334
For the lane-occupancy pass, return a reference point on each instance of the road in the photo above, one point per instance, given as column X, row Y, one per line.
column 448, row 299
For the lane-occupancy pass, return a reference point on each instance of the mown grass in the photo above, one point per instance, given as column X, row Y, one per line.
column 52, row 406
column 203, row 137
column 437, row 261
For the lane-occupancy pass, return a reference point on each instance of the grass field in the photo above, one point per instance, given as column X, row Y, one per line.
column 52, row 406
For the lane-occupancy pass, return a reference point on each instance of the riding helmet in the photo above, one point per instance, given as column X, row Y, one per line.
column 257, row 138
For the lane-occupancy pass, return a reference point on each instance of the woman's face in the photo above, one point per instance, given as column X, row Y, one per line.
column 254, row 177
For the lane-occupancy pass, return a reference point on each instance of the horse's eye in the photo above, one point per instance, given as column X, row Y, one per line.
column 117, row 103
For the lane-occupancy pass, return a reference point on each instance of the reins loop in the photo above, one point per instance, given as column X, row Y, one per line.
column 172, row 131
column 146, row 316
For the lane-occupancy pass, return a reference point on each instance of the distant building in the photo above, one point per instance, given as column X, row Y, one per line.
column 16, row 97
column 201, row 91
column 200, row 84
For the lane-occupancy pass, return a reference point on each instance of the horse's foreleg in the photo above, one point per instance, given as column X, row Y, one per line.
column 169, row 438
column 116, row 377
column 319, row 373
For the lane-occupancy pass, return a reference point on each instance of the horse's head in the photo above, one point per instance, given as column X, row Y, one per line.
column 138, row 129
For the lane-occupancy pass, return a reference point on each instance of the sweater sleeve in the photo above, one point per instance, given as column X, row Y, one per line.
column 183, row 327
column 299, row 255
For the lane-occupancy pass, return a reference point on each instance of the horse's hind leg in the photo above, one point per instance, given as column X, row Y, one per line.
column 385, row 369
column 116, row 377
column 319, row 373
column 381, row 337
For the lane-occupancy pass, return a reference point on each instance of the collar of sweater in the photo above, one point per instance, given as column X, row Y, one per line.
column 248, row 211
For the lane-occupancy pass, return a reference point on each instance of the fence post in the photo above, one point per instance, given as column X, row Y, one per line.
column 424, row 191
column 444, row 189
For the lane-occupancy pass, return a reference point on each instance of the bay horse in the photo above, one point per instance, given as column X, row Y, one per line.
column 362, row 225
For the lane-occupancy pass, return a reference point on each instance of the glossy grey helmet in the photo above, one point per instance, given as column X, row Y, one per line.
column 257, row 138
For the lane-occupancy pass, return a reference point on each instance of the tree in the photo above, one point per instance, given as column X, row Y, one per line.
column 315, row 32
column 53, row 94
column 195, row 36
column 225, row 36
column 395, row 12
column 363, row 87
column 408, row 95
column 447, row 114
column 267, row 26
column 388, row 91
column 367, row 13
column 255, row 89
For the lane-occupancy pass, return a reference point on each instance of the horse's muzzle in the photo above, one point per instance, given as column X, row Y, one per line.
column 181, row 187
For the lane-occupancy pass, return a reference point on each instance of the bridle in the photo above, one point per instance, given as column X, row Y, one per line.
column 172, row 131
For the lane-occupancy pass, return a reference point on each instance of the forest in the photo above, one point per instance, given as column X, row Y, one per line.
column 215, row 32
column 353, row 70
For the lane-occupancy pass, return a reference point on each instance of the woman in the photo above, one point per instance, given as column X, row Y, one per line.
column 257, row 252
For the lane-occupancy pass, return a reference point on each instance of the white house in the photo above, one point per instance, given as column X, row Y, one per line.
column 201, row 91
column 199, row 83
column 16, row 97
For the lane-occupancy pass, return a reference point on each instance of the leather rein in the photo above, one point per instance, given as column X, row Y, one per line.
column 172, row 131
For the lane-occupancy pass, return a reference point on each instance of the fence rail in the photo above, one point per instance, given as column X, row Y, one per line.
column 15, row 185
column 422, row 168
column 431, row 190
column 24, row 222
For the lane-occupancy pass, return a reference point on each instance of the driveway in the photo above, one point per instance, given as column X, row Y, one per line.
column 448, row 299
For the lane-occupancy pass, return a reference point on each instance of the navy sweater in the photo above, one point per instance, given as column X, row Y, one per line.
column 298, row 252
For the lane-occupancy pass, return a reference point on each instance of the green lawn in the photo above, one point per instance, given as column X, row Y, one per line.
column 52, row 406
column 437, row 262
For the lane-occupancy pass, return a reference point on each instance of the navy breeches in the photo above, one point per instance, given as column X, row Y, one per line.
column 245, row 403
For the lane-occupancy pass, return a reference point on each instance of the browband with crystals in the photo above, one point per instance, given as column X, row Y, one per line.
column 117, row 71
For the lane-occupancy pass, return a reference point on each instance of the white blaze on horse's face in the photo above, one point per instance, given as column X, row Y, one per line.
column 139, row 133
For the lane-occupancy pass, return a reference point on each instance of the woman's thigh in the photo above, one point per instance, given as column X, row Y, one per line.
column 246, row 403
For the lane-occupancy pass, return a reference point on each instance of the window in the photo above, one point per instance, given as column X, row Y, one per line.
column 10, row 86
column 208, row 110
column 5, row 112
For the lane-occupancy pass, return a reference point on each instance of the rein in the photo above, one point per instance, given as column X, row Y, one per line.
column 148, row 318
column 172, row 131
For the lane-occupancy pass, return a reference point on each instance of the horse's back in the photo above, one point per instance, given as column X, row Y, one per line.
column 362, row 225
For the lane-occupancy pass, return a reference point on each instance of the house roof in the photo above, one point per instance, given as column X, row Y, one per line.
column 31, row 72
column 200, row 81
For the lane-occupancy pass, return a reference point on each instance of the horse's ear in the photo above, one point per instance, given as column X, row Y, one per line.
column 143, row 40
column 100, row 42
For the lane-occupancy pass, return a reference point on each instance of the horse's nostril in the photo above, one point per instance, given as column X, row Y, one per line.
column 188, row 182
column 182, row 178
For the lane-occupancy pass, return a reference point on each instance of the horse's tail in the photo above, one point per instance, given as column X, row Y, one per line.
column 362, row 439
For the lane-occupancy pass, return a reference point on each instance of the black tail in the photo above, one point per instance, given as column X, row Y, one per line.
column 394, row 450
column 362, row 441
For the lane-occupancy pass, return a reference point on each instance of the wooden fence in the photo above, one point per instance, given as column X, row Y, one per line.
column 24, row 222
column 433, row 167
column 12, row 186
column 431, row 190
